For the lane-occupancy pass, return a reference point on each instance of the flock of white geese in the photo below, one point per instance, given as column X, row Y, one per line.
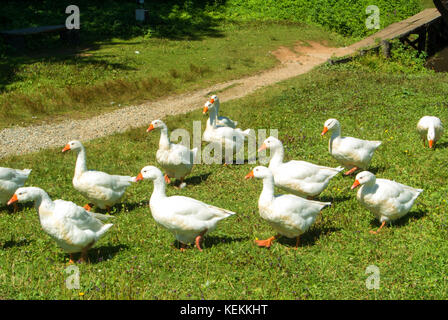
column 76, row 229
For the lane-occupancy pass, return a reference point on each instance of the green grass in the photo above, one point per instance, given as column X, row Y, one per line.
column 136, row 258
column 183, row 46
column 428, row 4
column 110, row 75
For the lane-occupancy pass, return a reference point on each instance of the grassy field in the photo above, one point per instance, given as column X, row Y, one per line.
column 372, row 99
column 185, row 45
column 117, row 72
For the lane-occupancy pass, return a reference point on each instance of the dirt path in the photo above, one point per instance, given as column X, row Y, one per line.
column 20, row 140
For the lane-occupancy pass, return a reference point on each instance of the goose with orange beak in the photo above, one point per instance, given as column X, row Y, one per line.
column 72, row 227
column 287, row 214
column 351, row 153
column 430, row 128
column 186, row 218
column 175, row 159
column 229, row 140
column 214, row 104
column 386, row 199
column 100, row 188
column 301, row 178
column 10, row 181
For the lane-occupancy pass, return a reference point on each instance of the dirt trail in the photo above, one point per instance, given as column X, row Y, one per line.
column 20, row 140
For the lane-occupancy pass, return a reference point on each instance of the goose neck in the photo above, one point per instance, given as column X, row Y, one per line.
column 164, row 141
column 213, row 117
column 431, row 132
column 43, row 202
column 159, row 188
column 277, row 157
column 267, row 194
column 81, row 165
column 336, row 132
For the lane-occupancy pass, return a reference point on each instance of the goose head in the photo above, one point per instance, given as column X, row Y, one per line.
column 214, row 99
column 330, row 125
column 149, row 172
column 271, row 143
column 259, row 172
column 156, row 124
column 364, row 177
column 73, row 145
column 25, row 194
column 207, row 106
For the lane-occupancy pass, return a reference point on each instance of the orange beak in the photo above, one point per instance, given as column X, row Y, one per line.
column 150, row 128
column 66, row 148
column 249, row 175
column 355, row 184
column 263, row 147
column 204, row 111
column 13, row 199
column 431, row 143
column 324, row 131
column 212, row 100
column 139, row 177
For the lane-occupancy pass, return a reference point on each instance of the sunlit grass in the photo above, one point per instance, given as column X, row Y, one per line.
column 136, row 258
column 57, row 84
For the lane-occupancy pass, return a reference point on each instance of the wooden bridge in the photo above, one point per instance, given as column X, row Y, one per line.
column 426, row 31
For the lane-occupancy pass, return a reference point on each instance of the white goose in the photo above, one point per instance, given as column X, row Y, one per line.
column 387, row 200
column 221, row 121
column 72, row 227
column 431, row 129
column 10, row 181
column 352, row 153
column 175, row 159
column 298, row 177
column 100, row 188
column 288, row 214
column 187, row 218
column 227, row 138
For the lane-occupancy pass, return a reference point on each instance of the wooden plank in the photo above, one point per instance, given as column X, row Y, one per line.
column 402, row 28
column 33, row 30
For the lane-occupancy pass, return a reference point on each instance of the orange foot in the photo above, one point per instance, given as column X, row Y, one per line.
column 167, row 179
column 377, row 231
column 265, row 243
column 297, row 242
column 71, row 261
column 349, row 172
column 87, row 207
column 198, row 240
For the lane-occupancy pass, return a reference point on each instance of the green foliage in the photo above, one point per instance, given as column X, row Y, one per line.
column 404, row 59
column 345, row 17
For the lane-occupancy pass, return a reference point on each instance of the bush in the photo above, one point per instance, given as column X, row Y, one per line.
column 343, row 16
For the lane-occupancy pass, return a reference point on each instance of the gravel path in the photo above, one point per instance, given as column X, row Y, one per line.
column 21, row 140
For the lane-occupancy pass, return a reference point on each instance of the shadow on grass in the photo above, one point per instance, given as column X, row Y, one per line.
column 100, row 22
column 309, row 238
column 413, row 215
column 211, row 241
column 100, row 254
column 195, row 180
column 21, row 207
column 13, row 243
column 376, row 170
column 334, row 200
column 441, row 145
